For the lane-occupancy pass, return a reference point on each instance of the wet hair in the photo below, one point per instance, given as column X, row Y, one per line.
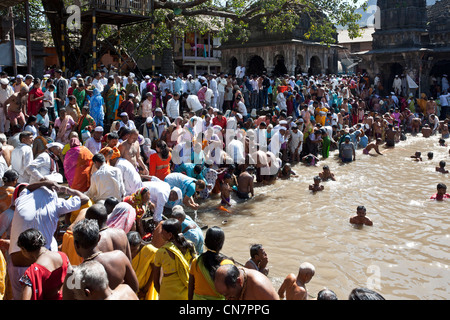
column 173, row 226
column 326, row 294
column 86, row 233
column 31, row 240
column 430, row 155
column 442, row 164
column 231, row 276
column 317, row 178
column 97, row 212
column 361, row 208
column 254, row 249
column 111, row 203
column 362, row 293
column 441, row 186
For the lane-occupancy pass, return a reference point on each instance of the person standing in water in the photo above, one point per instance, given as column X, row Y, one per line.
column 360, row 217
column 294, row 287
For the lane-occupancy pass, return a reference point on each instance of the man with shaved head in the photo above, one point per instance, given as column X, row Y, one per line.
column 295, row 287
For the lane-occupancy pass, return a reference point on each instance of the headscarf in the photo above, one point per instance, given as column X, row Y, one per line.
column 74, row 142
column 135, row 200
column 122, row 217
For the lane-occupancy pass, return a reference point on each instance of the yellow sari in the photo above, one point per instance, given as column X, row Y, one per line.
column 142, row 266
column 2, row 276
column 174, row 284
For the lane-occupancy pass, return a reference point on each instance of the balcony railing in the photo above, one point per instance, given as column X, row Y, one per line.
column 139, row 7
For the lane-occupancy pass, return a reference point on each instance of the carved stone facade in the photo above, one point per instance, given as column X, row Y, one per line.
column 280, row 53
column 413, row 39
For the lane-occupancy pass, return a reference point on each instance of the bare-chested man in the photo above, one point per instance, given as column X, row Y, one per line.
column 243, row 284
column 94, row 285
column 118, row 267
column 377, row 129
column 245, row 183
column 295, row 286
column 258, row 259
column 130, row 150
column 6, row 148
column 326, row 174
column 431, row 107
column 373, row 146
column 427, row 131
column 15, row 107
column 110, row 238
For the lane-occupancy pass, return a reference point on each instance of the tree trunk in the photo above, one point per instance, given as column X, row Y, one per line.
column 167, row 64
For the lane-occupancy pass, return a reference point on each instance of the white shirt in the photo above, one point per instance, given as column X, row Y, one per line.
column 209, row 94
column 39, row 168
column 296, row 138
column 5, row 93
column 232, row 123
column 159, row 195
column 173, row 108
column 3, row 169
column 444, row 98
column 131, row 178
column 235, row 150
column 49, row 96
column 40, row 209
column 193, row 103
column 93, row 145
column 21, row 157
column 281, row 101
column 221, row 84
column 106, row 182
column 242, row 109
column 130, row 125
column 98, row 84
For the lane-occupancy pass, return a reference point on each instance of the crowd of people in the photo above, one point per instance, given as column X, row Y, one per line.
column 97, row 173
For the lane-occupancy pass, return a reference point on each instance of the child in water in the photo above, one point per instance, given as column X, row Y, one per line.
column 316, row 186
column 286, row 172
column 441, row 193
column 310, row 160
column 441, row 167
column 360, row 217
column 226, row 190
column 417, row 156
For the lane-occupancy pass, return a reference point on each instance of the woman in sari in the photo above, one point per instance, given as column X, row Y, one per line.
column 139, row 201
column 86, row 122
column 143, row 257
column 80, row 94
column 152, row 87
column 64, row 125
column 10, row 178
column 122, row 217
column 97, row 105
column 112, row 100
column 159, row 162
column 201, row 274
column 35, row 98
column 44, row 279
column 41, row 141
column 172, row 261
column 77, row 166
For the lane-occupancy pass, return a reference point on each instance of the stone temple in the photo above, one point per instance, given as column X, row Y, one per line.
column 411, row 38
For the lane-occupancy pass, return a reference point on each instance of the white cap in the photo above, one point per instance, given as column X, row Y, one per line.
column 19, row 76
column 123, row 114
column 149, row 120
column 4, row 81
column 158, row 110
column 147, row 77
column 98, row 129
column 55, row 144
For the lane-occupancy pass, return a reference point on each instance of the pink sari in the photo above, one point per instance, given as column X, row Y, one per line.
column 122, row 217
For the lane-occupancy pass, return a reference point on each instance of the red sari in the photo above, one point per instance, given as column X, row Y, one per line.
column 34, row 106
column 46, row 285
column 158, row 167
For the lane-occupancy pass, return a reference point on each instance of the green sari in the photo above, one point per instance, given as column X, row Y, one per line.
column 210, row 281
column 80, row 96
column 111, row 99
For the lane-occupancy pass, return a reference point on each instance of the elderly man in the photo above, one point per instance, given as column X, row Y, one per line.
column 106, row 182
column 94, row 143
column 243, row 284
column 14, row 108
column 130, row 150
column 45, row 166
column 6, row 91
column 148, row 130
column 38, row 206
column 126, row 122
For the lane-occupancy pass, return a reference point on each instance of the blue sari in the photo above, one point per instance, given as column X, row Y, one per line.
column 96, row 107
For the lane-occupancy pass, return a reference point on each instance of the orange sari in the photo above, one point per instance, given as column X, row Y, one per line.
column 158, row 167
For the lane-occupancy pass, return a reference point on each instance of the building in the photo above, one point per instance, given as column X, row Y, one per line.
column 413, row 39
column 280, row 53
column 348, row 54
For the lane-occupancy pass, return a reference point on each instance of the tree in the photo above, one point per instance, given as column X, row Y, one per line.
column 233, row 17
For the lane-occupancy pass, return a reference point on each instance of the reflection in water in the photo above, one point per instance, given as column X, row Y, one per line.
column 405, row 255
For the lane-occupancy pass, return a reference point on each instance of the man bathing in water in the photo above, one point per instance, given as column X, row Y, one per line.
column 441, row 167
column 245, row 183
column 326, row 174
column 360, row 217
column 286, row 172
column 417, row 156
column 225, row 191
column 316, row 186
column 258, row 259
column 295, row 287
column 373, row 146
column 441, row 193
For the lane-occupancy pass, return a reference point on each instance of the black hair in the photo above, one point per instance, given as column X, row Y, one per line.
column 99, row 158
column 326, row 294
column 442, row 164
column 231, row 276
column 441, row 186
column 173, row 226
column 112, row 135
column 24, row 134
column 111, row 203
column 10, row 175
column 162, row 145
column 134, row 238
column 364, row 294
column 214, row 240
column 31, row 240
column 97, row 212
column 86, row 233
column 254, row 249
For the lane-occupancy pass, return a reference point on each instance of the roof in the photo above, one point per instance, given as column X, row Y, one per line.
column 10, row 3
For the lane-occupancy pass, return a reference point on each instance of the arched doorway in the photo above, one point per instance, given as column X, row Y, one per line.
column 315, row 66
column 232, row 65
column 255, row 66
column 390, row 70
column 300, row 64
column 280, row 67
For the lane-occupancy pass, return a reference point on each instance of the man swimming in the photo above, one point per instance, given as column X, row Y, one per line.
column 326, row 174
column 373, row 146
